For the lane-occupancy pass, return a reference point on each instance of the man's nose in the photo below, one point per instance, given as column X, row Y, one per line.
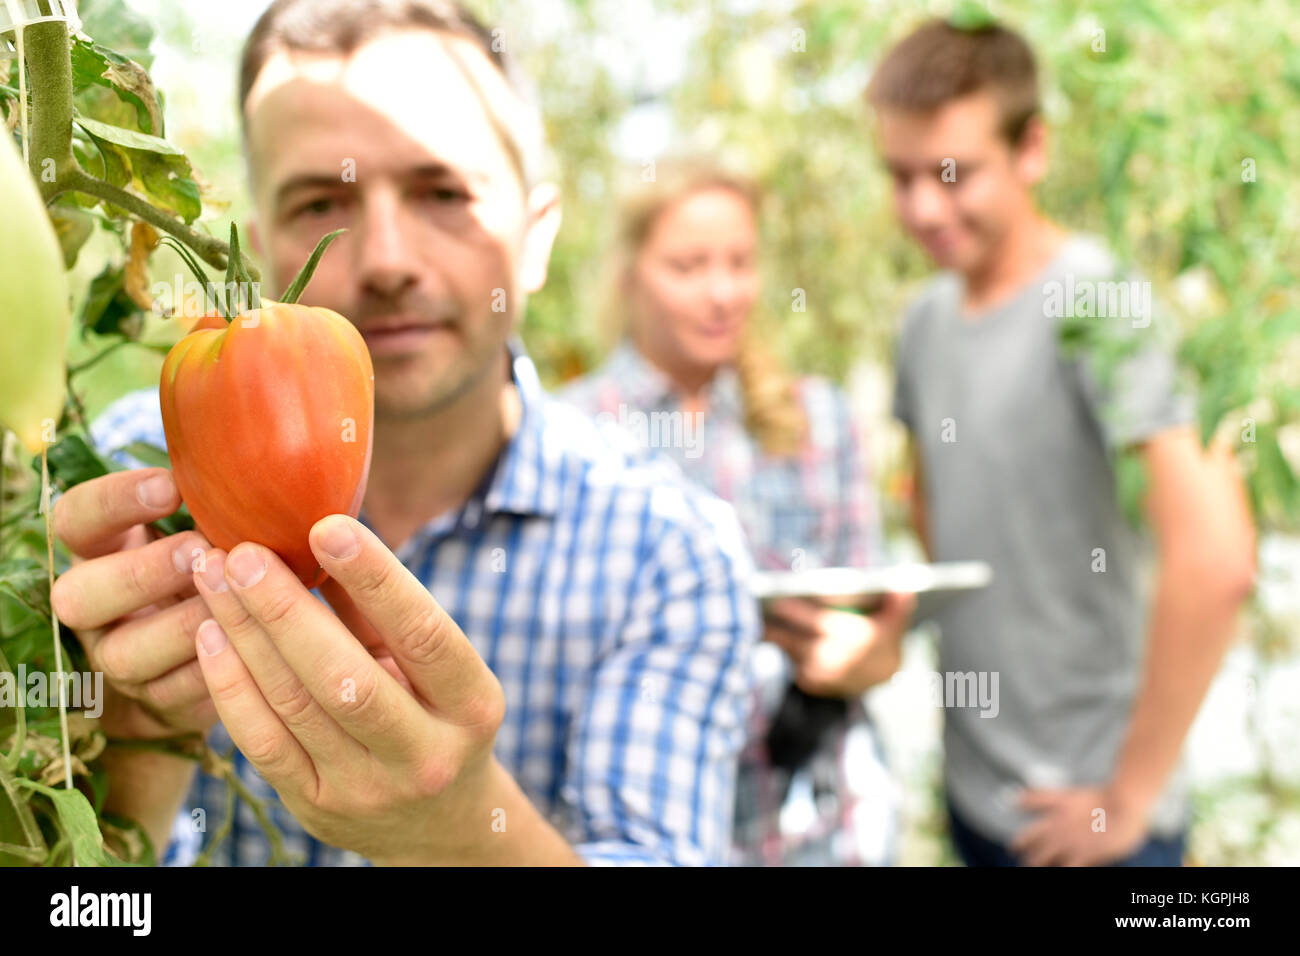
column 389, row 264
column 926, row 201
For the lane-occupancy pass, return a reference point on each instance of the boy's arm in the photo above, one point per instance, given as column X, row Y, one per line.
column 920, row 518
column 1205, row 539
column 1205, row 542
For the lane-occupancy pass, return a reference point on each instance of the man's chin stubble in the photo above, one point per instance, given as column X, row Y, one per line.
column 443, row 397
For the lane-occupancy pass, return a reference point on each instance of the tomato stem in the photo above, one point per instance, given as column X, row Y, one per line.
column 300, row 281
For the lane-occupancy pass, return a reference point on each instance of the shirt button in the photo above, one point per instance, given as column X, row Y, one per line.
column 470, row 519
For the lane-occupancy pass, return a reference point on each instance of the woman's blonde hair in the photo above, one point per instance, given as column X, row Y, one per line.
column 773, row 413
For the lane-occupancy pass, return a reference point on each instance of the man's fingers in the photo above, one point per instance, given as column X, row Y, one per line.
column 178, row 691
column 253, row 725
column 92, row 518
column 353, row 619
column 95, row 593
column 145, row 648
column 280, row 686
column 429, row 647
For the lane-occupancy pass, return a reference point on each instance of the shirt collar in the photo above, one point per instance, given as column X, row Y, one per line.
column 526, row 476
column 524, row 479
column 644, row 386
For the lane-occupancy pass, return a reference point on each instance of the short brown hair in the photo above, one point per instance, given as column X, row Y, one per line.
column 343, row 26
column 938, row 63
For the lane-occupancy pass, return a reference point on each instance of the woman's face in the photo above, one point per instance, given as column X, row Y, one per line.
column 694, row 281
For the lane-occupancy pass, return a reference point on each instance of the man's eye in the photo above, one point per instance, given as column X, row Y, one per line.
column 317, row 207
column 443, row 194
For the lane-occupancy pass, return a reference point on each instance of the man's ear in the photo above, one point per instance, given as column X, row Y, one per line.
column 543, row 224
column 1031, row 151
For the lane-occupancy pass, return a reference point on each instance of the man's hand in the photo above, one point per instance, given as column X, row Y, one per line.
column 130, row 597
column 839, row 653
column 388, row 754
column 1078, row 826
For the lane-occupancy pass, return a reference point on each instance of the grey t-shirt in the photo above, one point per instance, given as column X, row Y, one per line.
column 1017, row 442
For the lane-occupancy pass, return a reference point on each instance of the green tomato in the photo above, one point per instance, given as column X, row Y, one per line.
column 35, row 311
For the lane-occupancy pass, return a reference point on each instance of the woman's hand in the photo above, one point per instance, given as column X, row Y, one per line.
column 839, row 653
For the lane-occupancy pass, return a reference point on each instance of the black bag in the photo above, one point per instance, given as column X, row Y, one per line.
column 801, row 724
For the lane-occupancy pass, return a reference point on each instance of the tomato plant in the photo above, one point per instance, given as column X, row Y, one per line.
column 97, row 164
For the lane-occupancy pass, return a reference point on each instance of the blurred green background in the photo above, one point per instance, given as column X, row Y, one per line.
column 1174, row 135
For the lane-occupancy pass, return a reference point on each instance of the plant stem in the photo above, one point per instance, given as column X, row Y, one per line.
column 48, row 57
column 210, row 250
column 54, row 624
column 94, row 359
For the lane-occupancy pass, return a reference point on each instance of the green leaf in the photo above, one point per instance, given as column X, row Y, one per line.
column 148, row 455
column 24, row 594
column 150, row 164
column 127, row 138
column 95, row 67
column 72, row 461
column 73, row 226
column 21, row 842
column 176, row 522
column 115, row 24
column 108, row 310
column 968, row 15
column 79, row 823
column 1130, row 485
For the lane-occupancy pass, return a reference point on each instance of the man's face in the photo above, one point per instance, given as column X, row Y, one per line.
column 958, row 184
column 397, row 145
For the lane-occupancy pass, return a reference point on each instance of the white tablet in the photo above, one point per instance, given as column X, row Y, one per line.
column 863, row 588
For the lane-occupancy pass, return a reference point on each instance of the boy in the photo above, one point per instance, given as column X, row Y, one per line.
column 1013, row 444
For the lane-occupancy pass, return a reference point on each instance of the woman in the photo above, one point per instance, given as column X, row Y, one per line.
column 812, row 786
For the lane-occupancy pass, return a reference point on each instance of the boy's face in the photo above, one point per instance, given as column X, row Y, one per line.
column 959, row 186
column 395, row 144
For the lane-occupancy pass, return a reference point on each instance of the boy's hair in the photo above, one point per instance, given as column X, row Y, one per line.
column 342, row 26
column 938, row 63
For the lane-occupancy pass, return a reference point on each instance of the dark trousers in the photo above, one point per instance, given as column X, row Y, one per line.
column 975, row 849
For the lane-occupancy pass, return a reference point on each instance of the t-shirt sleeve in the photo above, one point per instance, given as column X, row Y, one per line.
column 904, row 405
column 1138, row 390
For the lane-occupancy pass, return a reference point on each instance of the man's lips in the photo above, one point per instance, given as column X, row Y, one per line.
column 404, row 335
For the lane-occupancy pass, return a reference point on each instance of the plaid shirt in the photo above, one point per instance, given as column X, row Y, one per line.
column 815, row 509
column 608, row 599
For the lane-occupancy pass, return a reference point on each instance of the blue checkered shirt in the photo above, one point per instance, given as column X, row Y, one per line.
column 816, row 507
column 608, row 597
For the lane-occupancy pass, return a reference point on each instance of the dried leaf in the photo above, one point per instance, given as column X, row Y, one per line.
column 144, row 239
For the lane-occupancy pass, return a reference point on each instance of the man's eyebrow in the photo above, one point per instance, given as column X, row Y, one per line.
column 430, row 170
column 305, row 181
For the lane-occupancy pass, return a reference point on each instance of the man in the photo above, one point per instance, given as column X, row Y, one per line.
column 581, row 698
column 1014, row 443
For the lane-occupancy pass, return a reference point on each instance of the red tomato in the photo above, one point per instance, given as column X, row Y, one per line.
column 269, row 424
